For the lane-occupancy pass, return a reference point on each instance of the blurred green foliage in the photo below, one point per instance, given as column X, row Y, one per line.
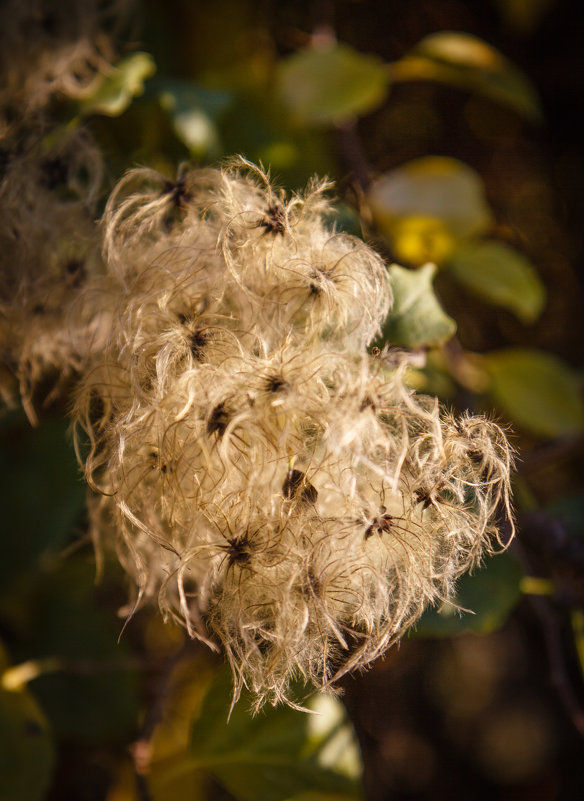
column 280, row 754
column 416, row 319
column 330, row 84
column 459, row 59
column 483, row 601
column 501, row 275
column 44, row 495
column 27, row 754
column 114, row 92
column 537, row 390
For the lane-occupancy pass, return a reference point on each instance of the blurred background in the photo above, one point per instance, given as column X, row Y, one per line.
column 453, row 132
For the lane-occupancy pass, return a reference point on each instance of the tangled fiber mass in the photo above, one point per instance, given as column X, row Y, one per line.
column 273, row 485
column 50, row 181
column 277, row 489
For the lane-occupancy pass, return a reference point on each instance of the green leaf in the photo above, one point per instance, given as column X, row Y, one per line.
column 416, row 319
column 435, row 187
column 93, row 697
column 538, row 391
column 194, row 111
column 26, row 748
column 115, row 91
column 464, row 61
column 278, row 755
column 501, row 275
column 256, row 125
column 427, row 205
column 331, row 85
column 42, row 493
column 491, row 593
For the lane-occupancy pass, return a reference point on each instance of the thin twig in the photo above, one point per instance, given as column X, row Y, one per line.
column 141, row 748
column 558, row 672
column 142, row 789
column 352, row 153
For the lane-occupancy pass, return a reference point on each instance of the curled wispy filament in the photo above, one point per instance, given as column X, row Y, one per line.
column 273, row 486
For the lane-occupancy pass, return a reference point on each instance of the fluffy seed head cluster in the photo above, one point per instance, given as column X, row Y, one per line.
column 272, row 485
column 50, row 49
column 50, row 178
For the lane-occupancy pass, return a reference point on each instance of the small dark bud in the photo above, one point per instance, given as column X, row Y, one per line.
column 296, row 486
column 218, row 421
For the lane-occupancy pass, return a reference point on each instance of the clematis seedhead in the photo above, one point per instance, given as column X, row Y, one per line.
column 272, row 486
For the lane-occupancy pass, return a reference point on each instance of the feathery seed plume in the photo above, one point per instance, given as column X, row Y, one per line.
column 270, row 483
